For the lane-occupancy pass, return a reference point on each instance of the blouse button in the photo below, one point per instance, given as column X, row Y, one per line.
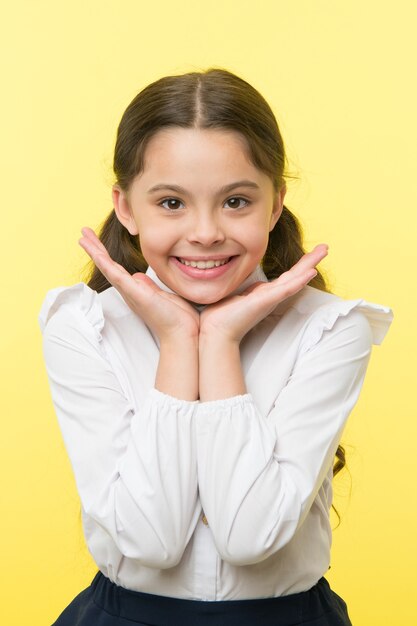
column 204, row 520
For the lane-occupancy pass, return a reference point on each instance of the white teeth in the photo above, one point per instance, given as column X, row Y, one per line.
column 204, row 265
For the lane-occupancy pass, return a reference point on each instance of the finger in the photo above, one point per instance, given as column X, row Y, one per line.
column 312, row 258
column 93, row 250
column 252, row 287
column 142, row 278
column 114, row 272
column 90, row 235
column 270, row 294
column 94, row 247
column 307, row 263
column 157, row 292
column 292, row 284
column 126, row 284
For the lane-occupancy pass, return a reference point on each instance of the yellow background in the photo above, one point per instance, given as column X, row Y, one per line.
column 340, row 77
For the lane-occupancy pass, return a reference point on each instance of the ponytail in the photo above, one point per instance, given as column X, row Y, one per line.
column 285, row 248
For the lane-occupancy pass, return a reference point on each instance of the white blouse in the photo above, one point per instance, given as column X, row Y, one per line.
column 219, row 500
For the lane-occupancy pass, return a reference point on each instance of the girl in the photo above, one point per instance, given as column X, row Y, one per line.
column 203, row 377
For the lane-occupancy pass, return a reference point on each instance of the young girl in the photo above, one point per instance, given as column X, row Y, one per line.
column 203, row 377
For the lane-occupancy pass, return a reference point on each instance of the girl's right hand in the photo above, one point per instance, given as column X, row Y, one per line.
column 167, row 314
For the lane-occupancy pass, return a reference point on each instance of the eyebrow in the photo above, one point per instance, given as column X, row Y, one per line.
column 222, row 190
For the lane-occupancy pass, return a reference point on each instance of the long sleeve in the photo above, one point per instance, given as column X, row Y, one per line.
column 258, row 475
column 135, row 470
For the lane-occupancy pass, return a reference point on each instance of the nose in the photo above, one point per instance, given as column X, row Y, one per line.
column 206, row 229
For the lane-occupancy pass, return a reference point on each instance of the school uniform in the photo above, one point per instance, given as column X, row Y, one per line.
column 210, row 512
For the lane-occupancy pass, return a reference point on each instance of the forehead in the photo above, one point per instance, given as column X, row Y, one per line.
column 201, row 161
column 191, row 149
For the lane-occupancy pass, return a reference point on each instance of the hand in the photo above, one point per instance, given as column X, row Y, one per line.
column 166, row 314
column 234, row 316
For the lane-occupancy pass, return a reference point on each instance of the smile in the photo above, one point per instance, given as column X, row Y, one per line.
column 204, row 265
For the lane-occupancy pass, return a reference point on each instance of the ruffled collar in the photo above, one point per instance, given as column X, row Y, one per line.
column 256, row 276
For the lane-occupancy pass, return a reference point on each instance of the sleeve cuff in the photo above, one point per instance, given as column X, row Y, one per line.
column 164, row 398
column 227, row 403
column 222, row 403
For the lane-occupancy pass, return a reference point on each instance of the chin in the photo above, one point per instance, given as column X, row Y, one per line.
column 203, row 299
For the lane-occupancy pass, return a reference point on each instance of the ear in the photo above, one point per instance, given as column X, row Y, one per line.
column 278, row 206
column 123, row 211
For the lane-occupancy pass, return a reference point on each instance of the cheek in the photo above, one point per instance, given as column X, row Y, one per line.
column 155, row 240
column 257, row 239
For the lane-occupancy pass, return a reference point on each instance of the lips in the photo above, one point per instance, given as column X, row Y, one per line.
column 204, row 264
column 204, row 269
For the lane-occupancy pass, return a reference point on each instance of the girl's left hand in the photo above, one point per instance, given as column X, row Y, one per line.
column 234, row 316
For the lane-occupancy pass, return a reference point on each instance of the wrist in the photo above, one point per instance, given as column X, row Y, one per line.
column 220, row 370
column 177, row 373
column 216, row 340
column 179, row 342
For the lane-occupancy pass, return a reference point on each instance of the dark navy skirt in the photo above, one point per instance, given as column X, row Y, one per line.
column 105, row 604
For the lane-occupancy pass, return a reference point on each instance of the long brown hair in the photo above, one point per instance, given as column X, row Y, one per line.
column 211, row 99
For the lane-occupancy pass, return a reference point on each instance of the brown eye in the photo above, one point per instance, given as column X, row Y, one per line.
column 235, row 202
column 170, row 203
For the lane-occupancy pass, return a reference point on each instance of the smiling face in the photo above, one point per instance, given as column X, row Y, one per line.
column 199, row 201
